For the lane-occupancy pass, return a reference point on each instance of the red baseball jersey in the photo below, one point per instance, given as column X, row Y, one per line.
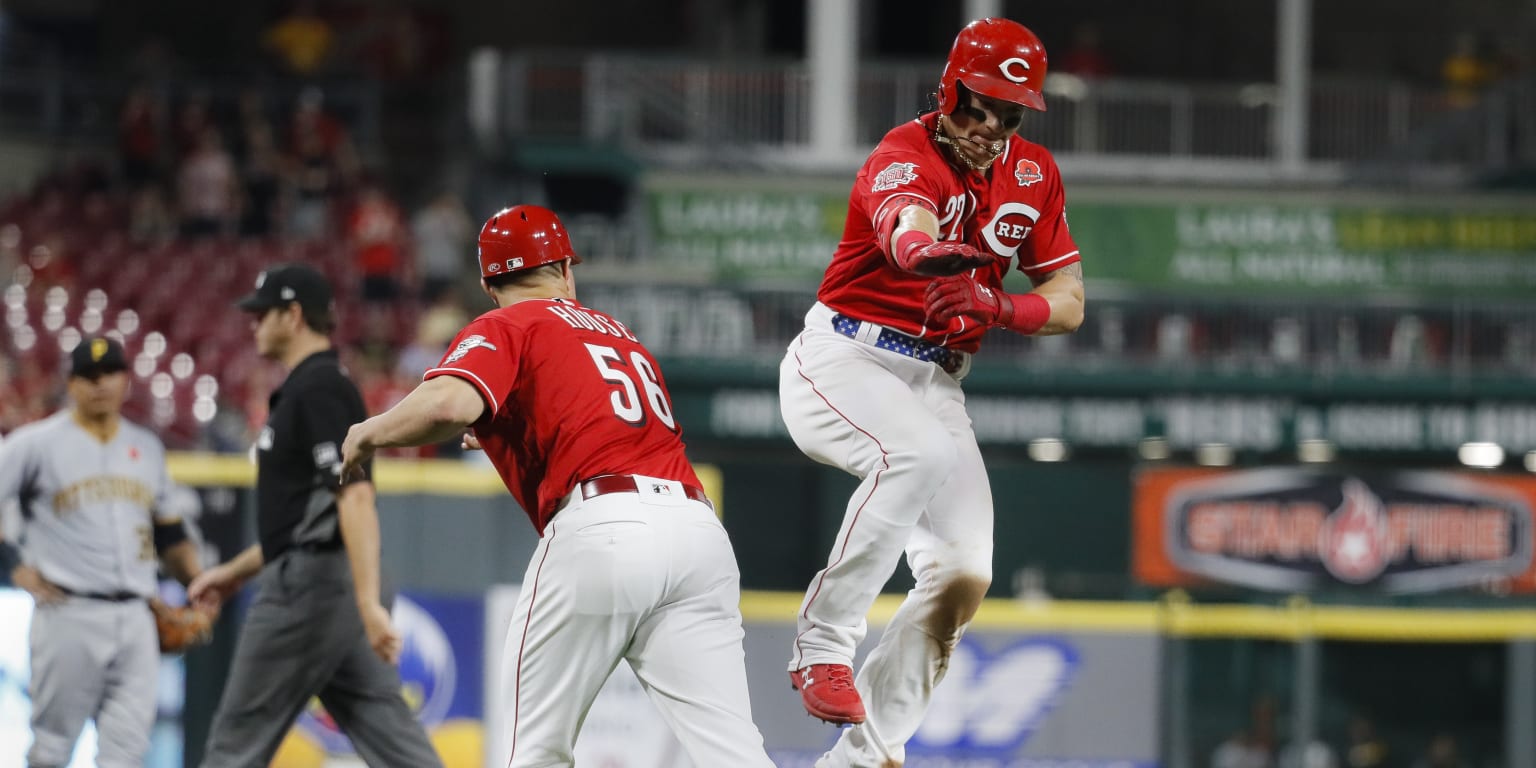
column 570, row 394
column 1018, row 209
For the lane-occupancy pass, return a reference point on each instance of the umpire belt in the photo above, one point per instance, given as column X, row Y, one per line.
column 876, row 335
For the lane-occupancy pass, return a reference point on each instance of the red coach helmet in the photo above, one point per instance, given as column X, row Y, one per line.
column 997, row 58
column 523, row 237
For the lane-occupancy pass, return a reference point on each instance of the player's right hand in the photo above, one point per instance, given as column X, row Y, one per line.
column 213, row 587
column 470, row 442
column 41, row 590
column 944, row 258
column 382, row 635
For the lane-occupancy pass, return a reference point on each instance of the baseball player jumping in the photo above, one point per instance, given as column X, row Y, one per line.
column 938, row 212
column 632, row 563
column 93, row 489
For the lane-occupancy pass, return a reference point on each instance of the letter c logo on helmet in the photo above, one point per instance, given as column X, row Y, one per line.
column 1015, row 62
column 523, row 237
column 997, row 58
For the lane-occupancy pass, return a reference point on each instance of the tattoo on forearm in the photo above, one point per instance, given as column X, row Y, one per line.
column 1073, row 270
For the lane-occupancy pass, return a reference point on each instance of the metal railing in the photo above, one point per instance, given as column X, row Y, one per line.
column 699, row 111
column 1177, row 337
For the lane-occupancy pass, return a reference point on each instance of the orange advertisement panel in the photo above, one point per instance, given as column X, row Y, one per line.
column 1298, row 529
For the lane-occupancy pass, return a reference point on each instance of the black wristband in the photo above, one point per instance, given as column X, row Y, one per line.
column 168, row 535
column 10, row 557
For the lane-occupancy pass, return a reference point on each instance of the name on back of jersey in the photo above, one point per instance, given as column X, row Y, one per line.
column 589, row 321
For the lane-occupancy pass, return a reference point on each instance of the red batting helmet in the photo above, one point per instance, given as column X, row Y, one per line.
column 997, row 58
column 523, row 237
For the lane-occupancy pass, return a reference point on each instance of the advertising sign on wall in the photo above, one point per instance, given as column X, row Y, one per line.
column 1296, row 529
column 1297, row 247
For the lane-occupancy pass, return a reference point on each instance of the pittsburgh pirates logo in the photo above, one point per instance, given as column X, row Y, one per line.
column 469, row 342
column 98, row 349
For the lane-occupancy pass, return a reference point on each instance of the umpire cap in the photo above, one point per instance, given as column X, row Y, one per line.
column 95, row 357
column 286, row 284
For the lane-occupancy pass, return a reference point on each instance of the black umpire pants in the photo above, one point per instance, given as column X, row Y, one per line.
column 302, row 638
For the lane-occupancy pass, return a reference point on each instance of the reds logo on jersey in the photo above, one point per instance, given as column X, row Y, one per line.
column 1027, row 172
column 1008, row 228
column 469, row 342
column 894, row 175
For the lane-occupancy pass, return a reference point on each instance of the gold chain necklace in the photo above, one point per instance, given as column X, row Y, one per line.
column 938, row 136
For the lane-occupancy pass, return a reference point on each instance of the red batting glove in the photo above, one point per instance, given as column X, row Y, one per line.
column 959, row 296
column 917, row 252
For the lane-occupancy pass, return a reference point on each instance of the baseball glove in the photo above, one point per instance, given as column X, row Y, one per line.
column 181, row 628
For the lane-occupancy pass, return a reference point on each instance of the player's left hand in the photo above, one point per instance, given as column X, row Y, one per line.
column 382, row 635
column 959, row 296
column 355, row 450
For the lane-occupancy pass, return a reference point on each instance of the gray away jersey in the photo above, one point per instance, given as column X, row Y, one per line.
column 88, row 508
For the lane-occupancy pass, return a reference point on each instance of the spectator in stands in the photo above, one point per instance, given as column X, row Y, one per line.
column 316, row 145
column 443, row 232
column 1086, row 58
column 437, row 326
column 1467, row 71
column 300, row 41
column 1441, row 753
column 251, row 117
column 261, row 182
column 193, row 120
column 376, row 232
column 150, row 221
column 206, row 188
column 1365, row 749
column 140, row 127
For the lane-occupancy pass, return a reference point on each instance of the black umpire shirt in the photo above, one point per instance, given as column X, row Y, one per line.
column 299, row 453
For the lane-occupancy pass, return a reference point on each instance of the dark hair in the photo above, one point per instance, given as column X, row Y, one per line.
column 321, row 320
column 525, row 276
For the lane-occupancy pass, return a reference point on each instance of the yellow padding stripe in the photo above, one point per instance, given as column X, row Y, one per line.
column 439, row 477
column 1182, row 619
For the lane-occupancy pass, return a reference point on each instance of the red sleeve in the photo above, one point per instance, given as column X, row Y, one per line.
column 483, row 354
column 893, row 178
column 1049, row 246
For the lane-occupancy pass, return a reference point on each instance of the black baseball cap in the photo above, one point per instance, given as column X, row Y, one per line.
column 286, row 284
column 97, row 356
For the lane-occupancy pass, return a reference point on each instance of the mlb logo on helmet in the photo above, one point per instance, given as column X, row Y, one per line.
column 1027, row 172
column 516, row 263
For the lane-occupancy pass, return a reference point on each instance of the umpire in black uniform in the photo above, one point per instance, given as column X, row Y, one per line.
column 318, row 625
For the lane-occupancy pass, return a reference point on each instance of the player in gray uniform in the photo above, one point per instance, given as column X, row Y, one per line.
column 92, row 488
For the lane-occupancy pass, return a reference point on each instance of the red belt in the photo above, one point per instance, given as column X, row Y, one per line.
column 604, row 484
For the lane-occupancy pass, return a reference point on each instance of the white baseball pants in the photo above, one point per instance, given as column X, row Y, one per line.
column 647, row 578
column 899, row 425
column 93, row 659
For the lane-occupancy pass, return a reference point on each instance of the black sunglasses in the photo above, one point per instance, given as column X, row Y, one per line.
column 1010, row 115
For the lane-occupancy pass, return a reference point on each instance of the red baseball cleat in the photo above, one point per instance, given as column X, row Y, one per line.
column 828, row 693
